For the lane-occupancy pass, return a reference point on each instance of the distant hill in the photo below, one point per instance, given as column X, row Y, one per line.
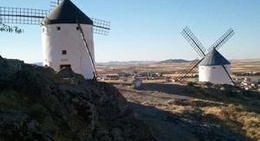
column 141, row 62
column 174, row 61
column 115, row 63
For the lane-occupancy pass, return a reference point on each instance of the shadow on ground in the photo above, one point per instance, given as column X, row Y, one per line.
column 249, row 100
column 168, row 126
column 196, row 112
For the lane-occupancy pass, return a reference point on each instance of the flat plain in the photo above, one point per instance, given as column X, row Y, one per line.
column 175, row 69
column 193, row 112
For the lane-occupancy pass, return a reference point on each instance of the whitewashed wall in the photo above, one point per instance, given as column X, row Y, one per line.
column 214, row 74
column 68, row 38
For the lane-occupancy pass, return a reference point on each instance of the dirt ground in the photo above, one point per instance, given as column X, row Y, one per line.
column 187, row 113
column 173, row 111
column 151, row 105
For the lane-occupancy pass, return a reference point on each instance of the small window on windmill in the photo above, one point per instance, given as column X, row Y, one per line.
column 58, row 27
column 43, row 30
column 64, row 52
column 213, row 67
column 77, row 28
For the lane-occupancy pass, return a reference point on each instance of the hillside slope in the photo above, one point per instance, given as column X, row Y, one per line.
column 38, row 104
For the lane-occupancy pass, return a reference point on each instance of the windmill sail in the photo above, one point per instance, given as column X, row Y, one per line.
column 100, row 26
column 195, row 43
column 12, row 15
column 223, row 39
column 184, row 74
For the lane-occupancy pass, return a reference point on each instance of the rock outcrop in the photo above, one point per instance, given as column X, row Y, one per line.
column 37, row 104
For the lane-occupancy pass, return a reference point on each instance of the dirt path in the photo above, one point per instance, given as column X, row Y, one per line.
column 181, row 113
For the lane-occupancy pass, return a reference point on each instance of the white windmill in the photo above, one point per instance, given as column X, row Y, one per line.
column 67, row 35
column 213, row 67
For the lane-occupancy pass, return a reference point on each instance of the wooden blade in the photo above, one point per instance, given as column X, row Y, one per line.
column 194, row 42
column 101, row 27
column 222, row 40
column 189, row 69
column 11, row 15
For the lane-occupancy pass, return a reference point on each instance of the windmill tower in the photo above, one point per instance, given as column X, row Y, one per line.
column 62, row 42
column 213, row 67
column 67, row 35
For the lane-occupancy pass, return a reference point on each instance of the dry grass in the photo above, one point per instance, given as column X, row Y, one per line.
column 245, row 122
column 173, row 69
column 236, row 117
column 238, row 113
column 245, row 65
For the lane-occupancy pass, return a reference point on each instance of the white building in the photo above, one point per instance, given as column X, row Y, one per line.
column 211, row 68
column 62, row 43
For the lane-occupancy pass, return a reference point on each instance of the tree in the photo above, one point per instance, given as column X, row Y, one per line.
column 11, row 29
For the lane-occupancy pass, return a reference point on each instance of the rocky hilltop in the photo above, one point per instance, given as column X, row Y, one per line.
column 38, row 104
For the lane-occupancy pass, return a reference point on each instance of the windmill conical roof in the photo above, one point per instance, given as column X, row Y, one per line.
column 214, row 58
column 67, row 12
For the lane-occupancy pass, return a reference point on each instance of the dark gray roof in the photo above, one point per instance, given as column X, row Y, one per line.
column 214, row 58
column 67, row 12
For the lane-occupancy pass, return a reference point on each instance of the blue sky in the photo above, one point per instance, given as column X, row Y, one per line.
column 150, row 29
